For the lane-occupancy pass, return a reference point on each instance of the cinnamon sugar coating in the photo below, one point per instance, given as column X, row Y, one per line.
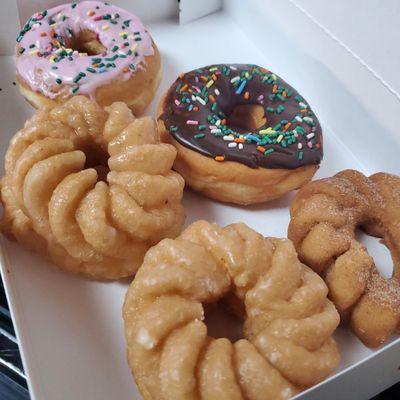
column 324, row 216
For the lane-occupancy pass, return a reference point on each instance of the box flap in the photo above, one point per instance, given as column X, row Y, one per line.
column 370, row 30
column 190, row 10
column 9, row 27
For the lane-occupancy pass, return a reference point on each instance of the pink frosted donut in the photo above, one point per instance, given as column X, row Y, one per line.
column 89, row 48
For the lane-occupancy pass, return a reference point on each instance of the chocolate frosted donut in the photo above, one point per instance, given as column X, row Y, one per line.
column 199, row 103
column 265, row 132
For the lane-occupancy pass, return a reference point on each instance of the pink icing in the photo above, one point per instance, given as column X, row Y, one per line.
column 38, row 53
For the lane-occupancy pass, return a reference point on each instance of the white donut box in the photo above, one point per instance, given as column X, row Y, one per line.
column 343, row 56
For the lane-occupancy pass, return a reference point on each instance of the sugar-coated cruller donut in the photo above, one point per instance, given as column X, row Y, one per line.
column 324, row 216
column 61, row 200
column 90, row 48
column 287, row 328
column 243, row 135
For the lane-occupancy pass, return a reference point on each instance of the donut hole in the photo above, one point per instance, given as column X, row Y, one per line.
column 222, row 321
column 102, row 172
column 97, row 159
column 377, row 250
column 86, row 41
column 250, row 117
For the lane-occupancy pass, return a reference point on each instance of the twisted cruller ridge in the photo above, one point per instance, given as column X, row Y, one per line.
column 61, row 200
column 288, row 318
column 324, row 216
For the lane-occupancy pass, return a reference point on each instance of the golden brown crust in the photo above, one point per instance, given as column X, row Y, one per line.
column 324, row 216
column 233, row 182
column 56, row 199
column 137, row 92
column 288, row 324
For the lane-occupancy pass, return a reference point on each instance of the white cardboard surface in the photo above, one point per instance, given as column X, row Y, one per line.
column 71, row 329
column 368, row 27
column 147, row 10
column 191, row 10
column 8, row 27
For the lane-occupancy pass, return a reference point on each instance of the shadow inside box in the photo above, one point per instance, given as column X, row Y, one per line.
column 198, row 207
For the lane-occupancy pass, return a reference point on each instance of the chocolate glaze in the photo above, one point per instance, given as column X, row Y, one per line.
column 293, row 146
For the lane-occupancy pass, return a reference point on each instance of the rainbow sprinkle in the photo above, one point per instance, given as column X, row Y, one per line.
column 56, row 38
column 288, row 134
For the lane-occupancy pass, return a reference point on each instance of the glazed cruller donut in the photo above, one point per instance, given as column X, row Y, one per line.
column 61, row 200
column 89, row 48
column 288, row 318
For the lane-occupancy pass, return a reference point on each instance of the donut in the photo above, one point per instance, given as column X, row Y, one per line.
column 288, row 320
column 324, row 216
column 89, row 48
column 243, row 135
column 90, row 189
